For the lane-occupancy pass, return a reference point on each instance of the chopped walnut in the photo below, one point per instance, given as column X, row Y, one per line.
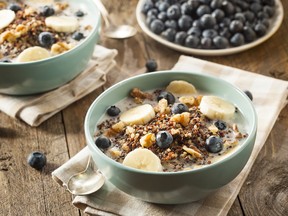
column 118, row 127
column 8, row 36
column 182, row 118
column 163, row 107
column 139, row 95
column 198, row 100
column 60, row 47
column 213, row 128
column 3, row 5
column 193, row 152
column 129, row 130
column 115, row 152
column 147, row 140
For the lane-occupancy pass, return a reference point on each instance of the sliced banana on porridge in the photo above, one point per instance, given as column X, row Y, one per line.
column 143, row 159
column 181, row 87
column 62, row 23
column 138, row 115
column 6, row 17
column 33, row 54
column 216, row 108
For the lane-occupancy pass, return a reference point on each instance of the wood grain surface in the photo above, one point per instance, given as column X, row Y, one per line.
column 25, row 191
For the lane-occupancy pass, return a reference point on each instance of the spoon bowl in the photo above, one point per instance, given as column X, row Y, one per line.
column 87, row 181
column 111, row 30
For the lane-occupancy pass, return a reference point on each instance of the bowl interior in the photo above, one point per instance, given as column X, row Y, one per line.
column 208, row 84
column 92, row 14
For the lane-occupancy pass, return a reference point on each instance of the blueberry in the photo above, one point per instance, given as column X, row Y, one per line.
column 260, row 29
column 77, row 36
column 249, row 94
column 151, row 65
column 249, row 15
column 216, row 4
column 179, row 108
column 192, row 41
column 174, row 12
column 203, row 9
column 218, row 14
column 240, row 16
column 236, row 26
column 169, row 34
column 164, row 139
column 149, row 19
column 269, row 10
column 237, row 39
column 209, row 33
column 46, row 39
column 166, row 95
column 163, row 6
column 152, row 12
column 37, row 160
column 225, row 32
column 180, row 37
column 206, row 43
column 157, row 26
column 207, row 21
column 196, row 23
column 162, row 16
column 171, row 24
column 147, row 6
column 269, row 2
column 186, row 8
column 225, row 22
column 103, row 142
column 194, row 31
column 249, row 34
column 228, row 7
column 214, row 144
column 47, row 11
column 255, row 7
column 194, row 4
column 113, row 111
column 220, row 42
column 185, row 22
column 79, row 13
column 221, row 125
column 14, row 7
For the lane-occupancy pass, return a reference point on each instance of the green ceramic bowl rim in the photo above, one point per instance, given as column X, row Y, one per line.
column 62, row 55
column 91, row 144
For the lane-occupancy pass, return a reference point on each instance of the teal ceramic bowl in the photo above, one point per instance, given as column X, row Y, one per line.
column 176, row 187
column 44, row 75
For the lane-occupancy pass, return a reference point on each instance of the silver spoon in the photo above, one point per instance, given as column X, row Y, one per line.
column 111, row 30
column 87, row 181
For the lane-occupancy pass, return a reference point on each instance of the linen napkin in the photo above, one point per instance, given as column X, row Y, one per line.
column 110, row 201
column 36, row 109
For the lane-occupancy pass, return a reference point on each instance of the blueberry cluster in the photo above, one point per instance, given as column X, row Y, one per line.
column 209, row 24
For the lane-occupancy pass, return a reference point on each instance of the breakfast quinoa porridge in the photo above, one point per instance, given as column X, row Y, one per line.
column 34, row 30
column 171, row 129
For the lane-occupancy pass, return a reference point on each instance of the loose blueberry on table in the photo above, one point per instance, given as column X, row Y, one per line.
column 37, row 160
column 209, row 24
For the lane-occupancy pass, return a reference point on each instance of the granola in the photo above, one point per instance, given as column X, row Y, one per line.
column 190, row 131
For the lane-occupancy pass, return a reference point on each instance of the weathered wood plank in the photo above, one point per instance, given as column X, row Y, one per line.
column 24, row 190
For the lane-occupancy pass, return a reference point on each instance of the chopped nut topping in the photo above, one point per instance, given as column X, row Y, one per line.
column 188, row 100
column 148, row 140
column 182, row 118
column 191, row 151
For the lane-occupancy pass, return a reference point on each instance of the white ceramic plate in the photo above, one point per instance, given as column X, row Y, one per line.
column 274, row 26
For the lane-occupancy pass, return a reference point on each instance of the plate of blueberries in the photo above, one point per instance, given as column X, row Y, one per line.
column 210, row 27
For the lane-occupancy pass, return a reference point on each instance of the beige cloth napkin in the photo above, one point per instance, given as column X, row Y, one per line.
column 270, row 96
column 35, row 109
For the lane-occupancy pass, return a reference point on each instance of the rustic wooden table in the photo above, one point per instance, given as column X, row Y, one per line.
column 25, row 191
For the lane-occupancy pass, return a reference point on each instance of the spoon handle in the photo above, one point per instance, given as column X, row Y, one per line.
column 103, row 12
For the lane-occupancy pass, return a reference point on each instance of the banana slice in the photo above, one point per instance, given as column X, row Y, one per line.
column 6, row 17
column 138, row 115
column 33, row 54
column 143, row 159
column 216, row 108
column 181, row 87
column 62, row 23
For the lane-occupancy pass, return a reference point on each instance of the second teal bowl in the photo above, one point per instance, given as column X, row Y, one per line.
column 176, row 187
